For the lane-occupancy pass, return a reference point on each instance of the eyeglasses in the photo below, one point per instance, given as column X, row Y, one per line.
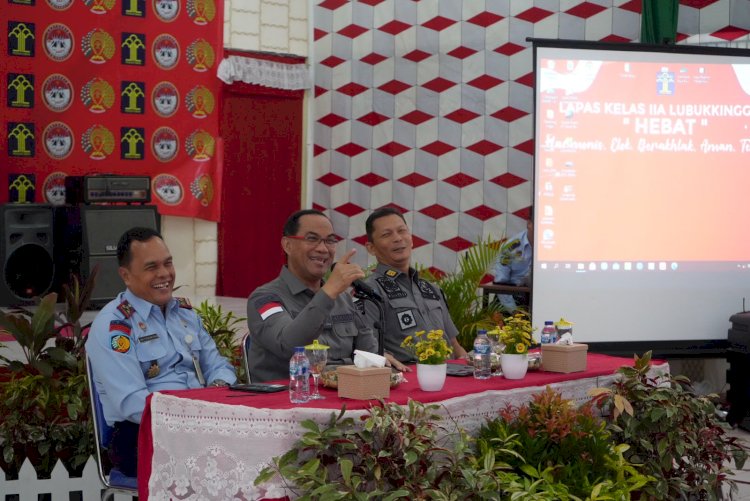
column 314, row 240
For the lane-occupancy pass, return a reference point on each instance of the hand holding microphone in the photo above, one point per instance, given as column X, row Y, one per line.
column 343, row 275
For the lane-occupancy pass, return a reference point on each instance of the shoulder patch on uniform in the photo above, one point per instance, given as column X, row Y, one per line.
column 120, row 325
column 120, row 343
column 184, row 302
column 268, row 305
column 126, row 309
column 391, row 273
column 391, row 288
column 427, row 290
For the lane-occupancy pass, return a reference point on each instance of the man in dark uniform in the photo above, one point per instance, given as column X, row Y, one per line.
column 298, row 306
column 145, row 340
column 410, row 303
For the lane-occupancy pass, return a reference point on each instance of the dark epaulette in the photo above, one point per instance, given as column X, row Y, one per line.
column 184, row 302
column 391, row 288
column 126, row 308
column 427, row 290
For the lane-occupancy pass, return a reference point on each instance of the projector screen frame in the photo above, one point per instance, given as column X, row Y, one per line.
column 680, row 348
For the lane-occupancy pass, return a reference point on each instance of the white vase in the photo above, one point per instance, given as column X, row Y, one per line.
column 514, row 366
column 431, row 377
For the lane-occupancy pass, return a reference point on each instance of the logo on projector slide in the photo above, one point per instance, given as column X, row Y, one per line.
column 665, row 82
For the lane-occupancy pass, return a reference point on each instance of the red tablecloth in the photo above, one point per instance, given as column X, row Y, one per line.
column 597, row 365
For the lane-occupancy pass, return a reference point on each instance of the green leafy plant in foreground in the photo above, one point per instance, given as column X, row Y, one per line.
column 673, row 433
column 393, row 453
column 566, row 448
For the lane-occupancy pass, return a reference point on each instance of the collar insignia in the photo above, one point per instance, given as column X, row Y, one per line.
column 391, row 273
column 427, row 290
column 126, row 309
column 184, row 303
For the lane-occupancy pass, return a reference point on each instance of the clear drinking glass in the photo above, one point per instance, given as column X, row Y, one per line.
column 317, row 354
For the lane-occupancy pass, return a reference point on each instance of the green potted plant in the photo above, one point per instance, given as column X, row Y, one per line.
column 224, row 327
column 673, row 433
column 44, row 402
column 461, row 291
column 44, row 397
column 516, row 338
column 431, row 351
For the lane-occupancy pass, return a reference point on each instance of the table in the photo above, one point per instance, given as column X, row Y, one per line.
column 211, row 443
column 488, row 289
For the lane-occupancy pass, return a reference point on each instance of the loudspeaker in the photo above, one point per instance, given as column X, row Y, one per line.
column 26, row 252
column 89, row 235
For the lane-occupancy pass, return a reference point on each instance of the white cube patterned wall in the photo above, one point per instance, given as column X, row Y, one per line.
column 426, row 105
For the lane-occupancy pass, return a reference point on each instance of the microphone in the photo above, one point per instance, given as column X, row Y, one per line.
column 361, row 289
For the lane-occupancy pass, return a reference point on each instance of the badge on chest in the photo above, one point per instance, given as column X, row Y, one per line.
column 406, row 319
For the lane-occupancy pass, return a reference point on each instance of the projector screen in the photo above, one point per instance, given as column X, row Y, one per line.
column 641, row 190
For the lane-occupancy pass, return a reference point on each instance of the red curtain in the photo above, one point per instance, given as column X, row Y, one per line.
column 263, row 146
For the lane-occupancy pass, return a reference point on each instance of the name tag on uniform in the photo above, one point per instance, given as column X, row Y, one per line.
column 342, row 319
column 146, row 339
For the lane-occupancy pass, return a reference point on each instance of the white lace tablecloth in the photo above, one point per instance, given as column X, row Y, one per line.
column 213, row 451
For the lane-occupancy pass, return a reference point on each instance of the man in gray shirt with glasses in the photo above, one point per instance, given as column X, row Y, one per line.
column 298, row 306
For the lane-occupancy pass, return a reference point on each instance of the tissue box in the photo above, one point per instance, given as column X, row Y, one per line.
column 364, row 384
column 564, row 358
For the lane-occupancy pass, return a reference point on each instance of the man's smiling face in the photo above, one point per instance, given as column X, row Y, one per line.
column 391, row 242
column 150, row 274
column 306, row 261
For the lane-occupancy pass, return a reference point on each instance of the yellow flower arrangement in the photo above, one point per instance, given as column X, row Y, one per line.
column 429, row 348
column 516, row 334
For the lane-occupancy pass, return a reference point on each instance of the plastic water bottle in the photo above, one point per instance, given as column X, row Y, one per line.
column 553, row 336
column 549, row 332
column 299, row 381
column 482, row 357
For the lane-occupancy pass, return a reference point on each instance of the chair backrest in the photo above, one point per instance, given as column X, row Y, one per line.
column 114, row 480
column 246, row 342
column 102, row 430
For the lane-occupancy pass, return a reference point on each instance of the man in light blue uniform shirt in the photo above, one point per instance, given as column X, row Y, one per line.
column 513, row 265
column 145, row 340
